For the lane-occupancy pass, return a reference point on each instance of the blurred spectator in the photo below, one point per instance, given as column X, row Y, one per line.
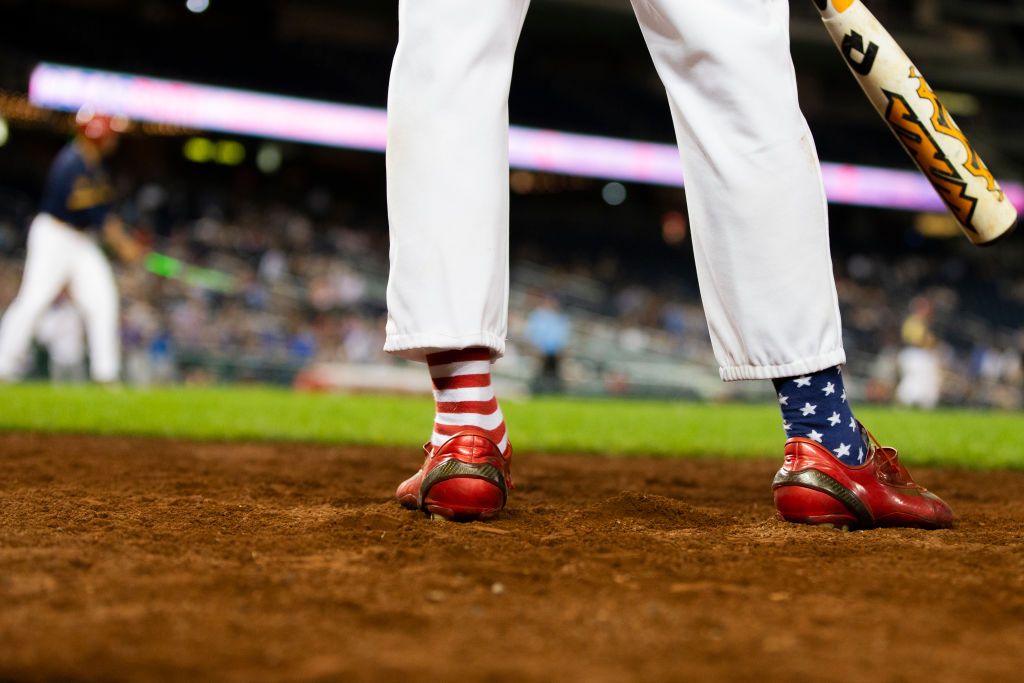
column 548, row 329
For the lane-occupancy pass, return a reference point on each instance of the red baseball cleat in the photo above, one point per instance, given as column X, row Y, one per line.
column 813, row 487
column 463, row 480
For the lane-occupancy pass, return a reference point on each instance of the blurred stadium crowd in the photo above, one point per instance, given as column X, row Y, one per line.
column 309, row 290
column 604, row 298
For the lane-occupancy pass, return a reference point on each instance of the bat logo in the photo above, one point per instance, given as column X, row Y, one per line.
column 853, row 43
column 930, row 158
column 840, row 5
column 944, row 124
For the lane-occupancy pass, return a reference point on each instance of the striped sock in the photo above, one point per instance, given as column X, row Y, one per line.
column 463, row 396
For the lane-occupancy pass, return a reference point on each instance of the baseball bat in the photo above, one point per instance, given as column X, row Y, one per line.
column 194, row 276
column 920, row 122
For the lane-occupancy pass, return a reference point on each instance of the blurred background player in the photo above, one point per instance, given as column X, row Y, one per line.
column 64, row 250
column 920, row 365
column 759, row 222
column 61, row 332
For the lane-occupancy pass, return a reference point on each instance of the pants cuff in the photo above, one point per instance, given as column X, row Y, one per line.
column 799, row 367
column 415, row 347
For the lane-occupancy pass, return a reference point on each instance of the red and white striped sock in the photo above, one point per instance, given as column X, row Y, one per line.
column 463, row 396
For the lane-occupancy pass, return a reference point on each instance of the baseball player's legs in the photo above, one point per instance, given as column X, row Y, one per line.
column 49, row 254
column 754, row 192
column 94, row 291
column 760, row 235
column 447, row 171
column 447, row 174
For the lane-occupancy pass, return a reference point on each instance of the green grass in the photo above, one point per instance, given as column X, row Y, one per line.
column 962, row 438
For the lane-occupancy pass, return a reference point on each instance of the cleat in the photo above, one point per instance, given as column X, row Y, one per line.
column 463, row 480
column 813, row 487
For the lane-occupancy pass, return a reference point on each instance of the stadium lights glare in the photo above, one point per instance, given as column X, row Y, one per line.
column 197, row 6
column 276, row 117
column 199, row 150
column 613, row 193
column 202, row 150
column 269, row 158
column 229, row 153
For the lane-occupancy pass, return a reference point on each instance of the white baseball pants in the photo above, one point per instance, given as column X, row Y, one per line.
column 59, row 256
column 756, row 202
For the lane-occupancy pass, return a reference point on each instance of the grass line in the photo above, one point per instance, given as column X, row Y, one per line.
column 973, row 439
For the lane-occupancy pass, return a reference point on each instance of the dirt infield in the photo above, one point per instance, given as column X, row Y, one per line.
column 134, row 560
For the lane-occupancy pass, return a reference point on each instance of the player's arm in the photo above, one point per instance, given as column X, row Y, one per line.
column 124, row 245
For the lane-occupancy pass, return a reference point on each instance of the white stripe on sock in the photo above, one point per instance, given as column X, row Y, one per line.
column 487, row 422
column 467, row 394
column 467, row 367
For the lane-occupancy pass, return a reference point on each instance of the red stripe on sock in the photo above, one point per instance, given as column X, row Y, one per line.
column 475, row 407
column 458, row 356
column 461, row 382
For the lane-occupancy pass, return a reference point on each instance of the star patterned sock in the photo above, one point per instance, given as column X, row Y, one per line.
column 814, row 406
column 463, row 396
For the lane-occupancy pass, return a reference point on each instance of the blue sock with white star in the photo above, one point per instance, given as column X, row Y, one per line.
column 814, row 406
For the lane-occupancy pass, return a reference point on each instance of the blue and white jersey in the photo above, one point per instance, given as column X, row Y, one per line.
column 78, row 191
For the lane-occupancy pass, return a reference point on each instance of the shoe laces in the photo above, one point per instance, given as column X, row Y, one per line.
column 886, row 459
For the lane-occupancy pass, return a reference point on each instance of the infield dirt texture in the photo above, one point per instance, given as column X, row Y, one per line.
column 125, row 559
